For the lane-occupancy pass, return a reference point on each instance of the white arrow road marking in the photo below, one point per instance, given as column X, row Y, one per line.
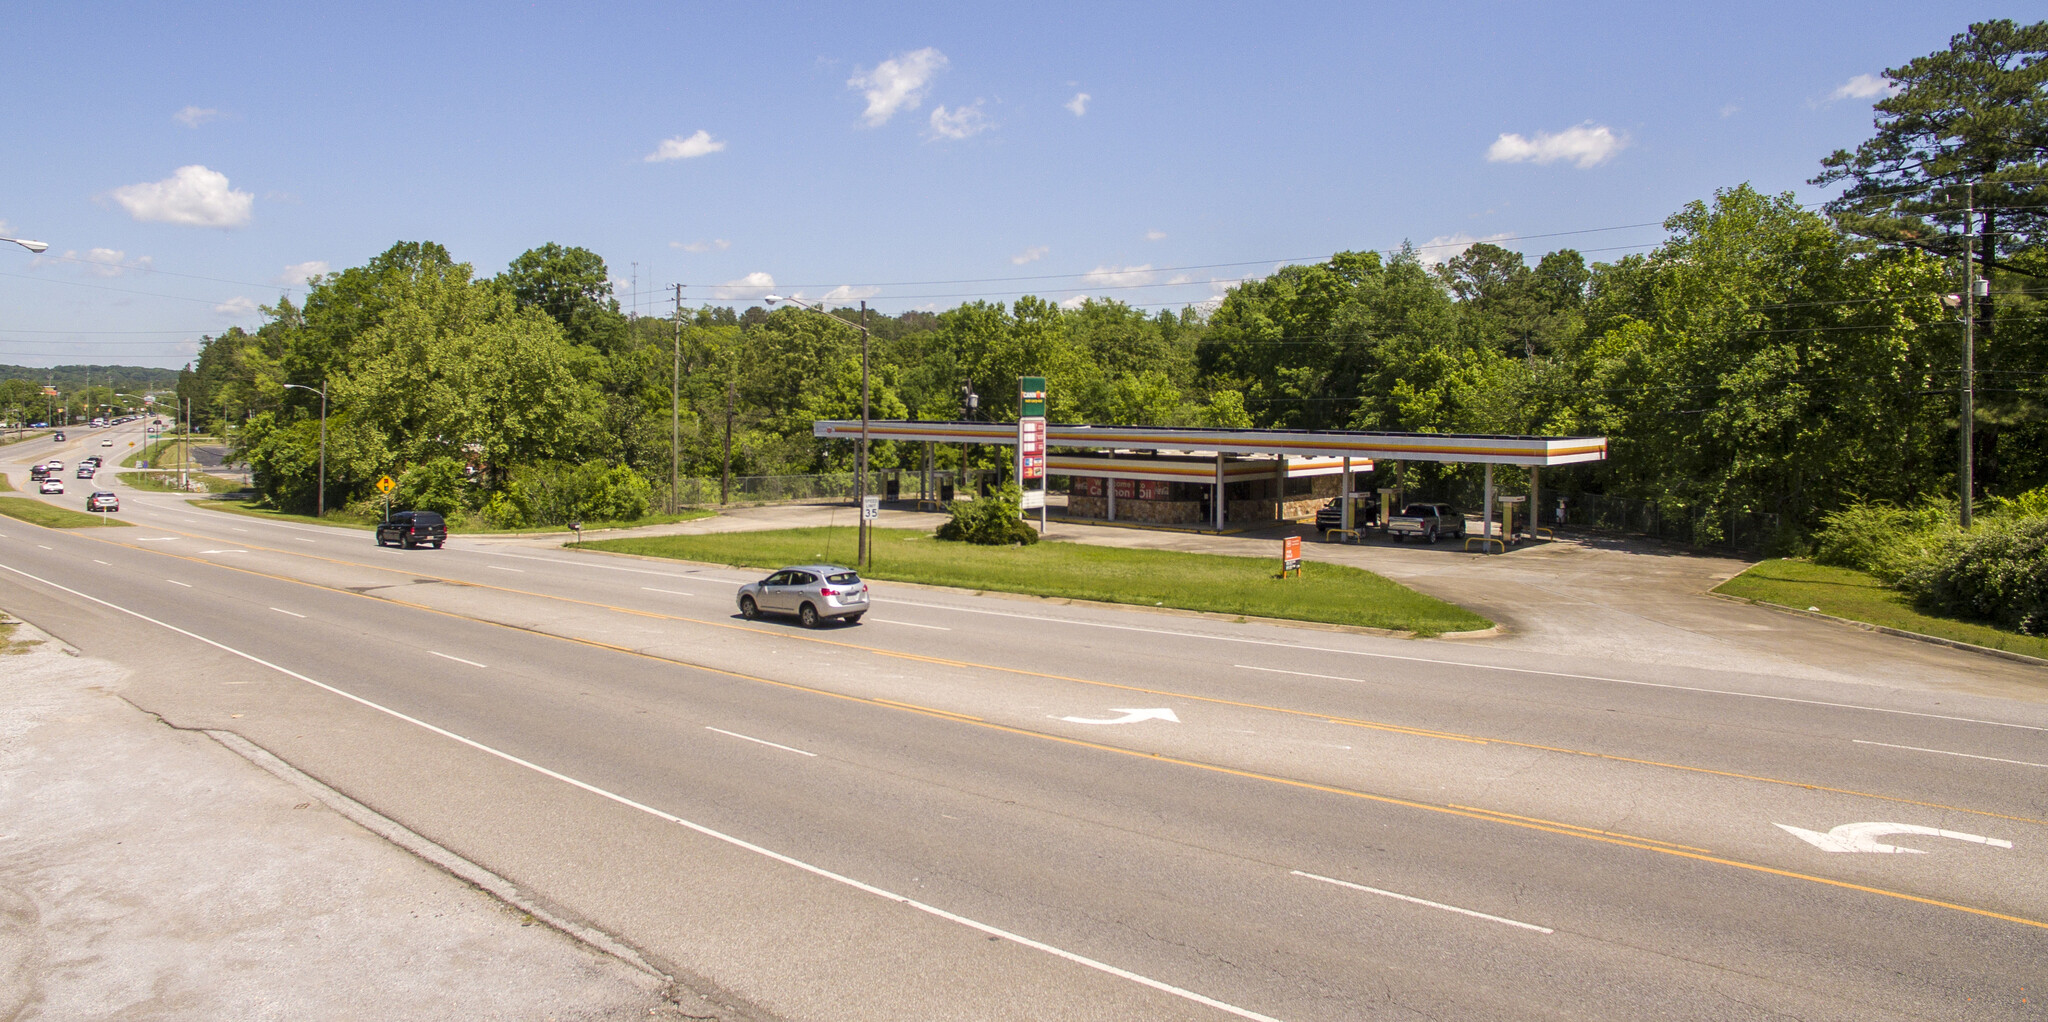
column 1129, row 716
column 1862, row 837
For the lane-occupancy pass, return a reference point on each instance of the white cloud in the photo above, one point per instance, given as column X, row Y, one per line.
column 303, row 273
column 1865, row 87
column 897, row 84
column 753, row 285
column 1155, row 235
column 1451, row 246
column 1031, row 255
column 1073, row 303
column 1079, row 104
column 1181, row 278
column 685, row 148
column 962, row 122
column 1119, row 276
column 237, row 307
column 1585, row 145
column 194, row 116
column 193, row 196
column 849, row 293
column 103, row 262
column 714, row 245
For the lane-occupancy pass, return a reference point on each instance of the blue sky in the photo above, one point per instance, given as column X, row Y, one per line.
column 189, row 162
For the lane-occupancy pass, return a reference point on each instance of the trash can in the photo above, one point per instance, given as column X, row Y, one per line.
column 946, row 490
column 892, row 490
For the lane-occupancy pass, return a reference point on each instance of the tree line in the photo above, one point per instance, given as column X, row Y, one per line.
column 1765, row 358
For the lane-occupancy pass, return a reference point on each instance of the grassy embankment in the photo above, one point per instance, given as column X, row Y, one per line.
column 1246, row 586
column 35, row 512
column 458, row 526
column 1859, row 596
column 161, row 460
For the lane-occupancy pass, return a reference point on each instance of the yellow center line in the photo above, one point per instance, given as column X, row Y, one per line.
column 1482, row 815
column 1138, row 689
column 1574, row 826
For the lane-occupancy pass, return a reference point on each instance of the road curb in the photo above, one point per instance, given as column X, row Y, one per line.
column 448, row 861
column 1210, row 615
column 1935, row 640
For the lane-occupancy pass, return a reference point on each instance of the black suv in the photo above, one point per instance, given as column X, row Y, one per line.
column 411, row 528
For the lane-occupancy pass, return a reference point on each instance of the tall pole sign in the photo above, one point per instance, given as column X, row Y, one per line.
column 1031, row 442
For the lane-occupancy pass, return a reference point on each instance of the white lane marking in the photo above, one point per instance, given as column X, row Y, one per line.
column 1945, row 752
column 457, row 659
column 46, row 547
column 911, row 624
column 620, row 567
column 281, row 610
column 500, row 567
column 159, row 539
column 770, row 744
column 1863, row 837
column 232, row 528
column 98, row 561
column 300, row 539
column 1422, row 901
column 1595, row 677
column 1129, row 716
column 175, row 582
column 736, row 842
column 670, row 592
column 223, row 551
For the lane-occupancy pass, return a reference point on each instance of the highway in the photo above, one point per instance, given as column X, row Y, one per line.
column 982, row 807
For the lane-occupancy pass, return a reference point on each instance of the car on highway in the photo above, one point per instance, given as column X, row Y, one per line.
column 54, row 465
column 409, row 529
column 812, row 592
column 95, row 461
column 58, row 437
column 86, row 469
column 106, row 443
column 53, row 485
column 103, row 500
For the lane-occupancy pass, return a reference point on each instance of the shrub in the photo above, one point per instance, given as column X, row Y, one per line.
column 1883, row 539
column 507, row 509
column 991, row 521
column 554, row 492
column 1998, row 572
column 432, row 485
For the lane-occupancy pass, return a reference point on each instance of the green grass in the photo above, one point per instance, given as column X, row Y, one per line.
column 166, row 481
column 5, row 486
column 51, row 516
column 1245, row 586
column 456, row 526
column 1859, row 596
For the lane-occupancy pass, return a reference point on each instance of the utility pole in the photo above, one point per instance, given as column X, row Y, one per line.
column 675, row 411
column 866, row 532
column 1969, row 381
column 725, row 481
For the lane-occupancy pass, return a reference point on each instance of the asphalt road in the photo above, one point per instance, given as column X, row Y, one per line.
column 990, row 808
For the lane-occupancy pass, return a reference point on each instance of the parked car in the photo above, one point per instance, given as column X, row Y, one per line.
column 53, row 485
column 1426, row 521
column 1365, row 512
column 409, row 529
column 103, row 500
column 813, row 592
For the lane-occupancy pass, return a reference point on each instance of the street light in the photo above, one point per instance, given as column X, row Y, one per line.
column 860, row 485
column 320, row 498
column 33, row 246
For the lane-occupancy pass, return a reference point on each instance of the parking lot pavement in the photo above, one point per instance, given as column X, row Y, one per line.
column 1598, row 597
column 147, row 872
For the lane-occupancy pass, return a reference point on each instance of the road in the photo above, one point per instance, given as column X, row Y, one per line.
column 990, row 808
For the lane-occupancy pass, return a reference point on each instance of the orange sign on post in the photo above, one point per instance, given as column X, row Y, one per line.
column 1290, row 556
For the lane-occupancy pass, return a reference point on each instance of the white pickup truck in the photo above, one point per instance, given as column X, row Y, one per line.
column 1426, row 521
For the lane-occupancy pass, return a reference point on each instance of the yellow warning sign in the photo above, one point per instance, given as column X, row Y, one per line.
column 384, row 484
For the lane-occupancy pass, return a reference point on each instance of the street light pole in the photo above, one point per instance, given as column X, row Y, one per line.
column 320, row 497
column 33, row 246
column 860, row 484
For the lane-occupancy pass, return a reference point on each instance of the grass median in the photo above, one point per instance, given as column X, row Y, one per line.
column 1859, row 596
column 35, row 512
column 1246, row 586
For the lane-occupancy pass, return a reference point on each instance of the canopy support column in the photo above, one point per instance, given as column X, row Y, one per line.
column 1344, row 494
column 1218, row 502
column 1486, row 514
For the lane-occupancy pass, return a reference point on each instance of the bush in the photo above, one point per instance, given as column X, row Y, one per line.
column 991, row 521
column 1885, row 540
column 434, row 485
column 507, row 509
column 1998, row 572
column 553, row 492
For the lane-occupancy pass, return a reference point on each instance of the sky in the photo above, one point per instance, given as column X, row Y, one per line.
column 190, row 163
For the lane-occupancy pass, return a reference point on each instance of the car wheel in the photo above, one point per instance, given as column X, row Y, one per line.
column 380, row 537
column 854, row 619
column 405, row 542
column 748, row 609
column 437, row 544
column 807, row 616
column 1431, row 536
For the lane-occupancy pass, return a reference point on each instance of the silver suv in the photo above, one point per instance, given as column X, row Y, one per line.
column 813, row 592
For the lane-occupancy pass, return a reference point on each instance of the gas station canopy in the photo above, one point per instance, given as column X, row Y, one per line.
column 1531, row 451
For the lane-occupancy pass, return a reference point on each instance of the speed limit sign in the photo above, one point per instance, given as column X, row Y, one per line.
column 870, row 508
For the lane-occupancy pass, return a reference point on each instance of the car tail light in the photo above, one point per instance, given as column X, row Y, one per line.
column 827, row 591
